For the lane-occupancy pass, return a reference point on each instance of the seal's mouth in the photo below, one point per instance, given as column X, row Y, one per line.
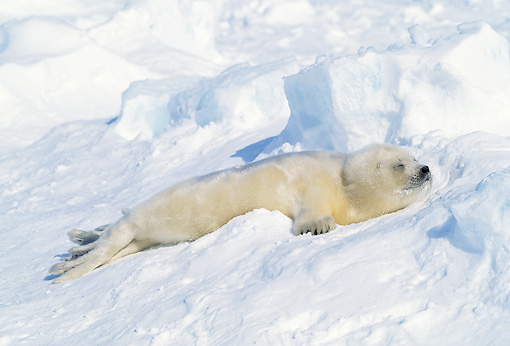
column 421, row 178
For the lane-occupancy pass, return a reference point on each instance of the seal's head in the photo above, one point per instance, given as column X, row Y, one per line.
column 384, row 178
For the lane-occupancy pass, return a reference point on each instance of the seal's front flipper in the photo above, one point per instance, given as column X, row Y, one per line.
column 316, row 226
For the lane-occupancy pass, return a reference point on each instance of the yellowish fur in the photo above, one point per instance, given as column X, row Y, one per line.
column 316, row 189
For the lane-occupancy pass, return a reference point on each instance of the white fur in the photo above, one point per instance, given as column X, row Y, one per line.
column 316, row 189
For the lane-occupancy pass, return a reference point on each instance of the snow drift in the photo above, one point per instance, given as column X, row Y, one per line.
column 434, row 273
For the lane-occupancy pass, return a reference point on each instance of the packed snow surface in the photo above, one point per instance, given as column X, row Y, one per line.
column 105, row 104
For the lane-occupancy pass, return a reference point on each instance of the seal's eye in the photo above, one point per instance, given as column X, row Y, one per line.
column 399, row 166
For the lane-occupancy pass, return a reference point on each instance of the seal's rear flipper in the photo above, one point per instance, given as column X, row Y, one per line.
column 115, row 239
column 86, row 237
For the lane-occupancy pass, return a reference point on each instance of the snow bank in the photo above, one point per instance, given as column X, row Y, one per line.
column 344, row 103
column 457, row 85
column 435, row 273
column 242, row 98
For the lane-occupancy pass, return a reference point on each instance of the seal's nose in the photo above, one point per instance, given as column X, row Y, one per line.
column 425, row 169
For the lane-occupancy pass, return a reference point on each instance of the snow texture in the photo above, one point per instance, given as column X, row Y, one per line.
column 107, row 103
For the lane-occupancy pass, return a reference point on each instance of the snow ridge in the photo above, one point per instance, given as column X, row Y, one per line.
column 105, row 105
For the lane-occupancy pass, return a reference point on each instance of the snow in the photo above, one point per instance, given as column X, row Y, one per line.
column 412, row 90
column 106, row 104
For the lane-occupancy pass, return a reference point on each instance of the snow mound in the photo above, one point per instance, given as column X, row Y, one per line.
column 51, row 72
column 241, row 98
column 185, row 26
column 36, row 39
column 478, row 223
column 457, row 85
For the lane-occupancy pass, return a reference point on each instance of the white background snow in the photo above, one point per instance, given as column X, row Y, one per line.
column 104, row 103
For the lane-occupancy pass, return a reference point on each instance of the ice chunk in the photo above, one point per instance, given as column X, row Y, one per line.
column 342, row 104
column 241, row 98
column 144, row 106
column 458, row 85
column 418, row 35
